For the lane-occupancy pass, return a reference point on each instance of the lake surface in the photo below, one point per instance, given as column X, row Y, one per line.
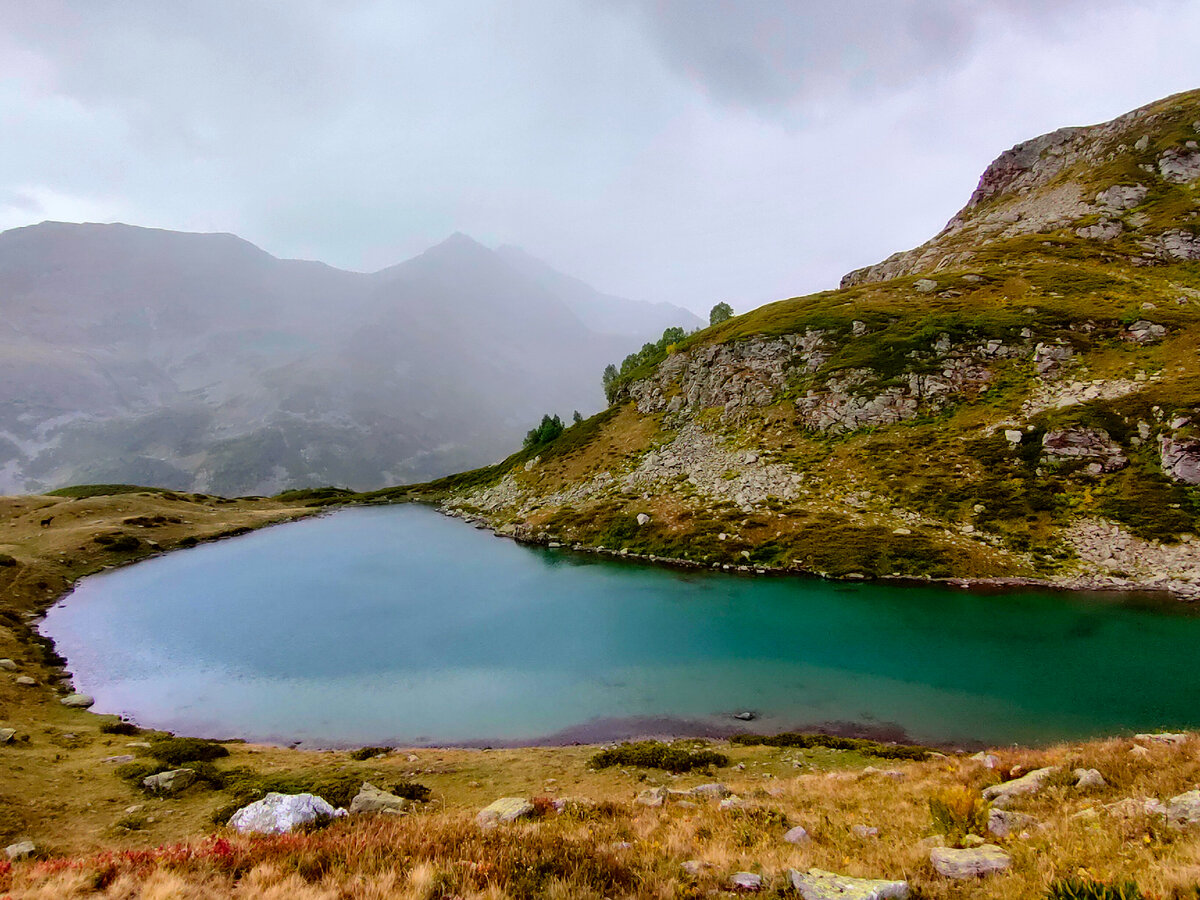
column 398, row 625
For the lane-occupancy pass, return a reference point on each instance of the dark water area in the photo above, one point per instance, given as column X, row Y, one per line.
column 396, row 625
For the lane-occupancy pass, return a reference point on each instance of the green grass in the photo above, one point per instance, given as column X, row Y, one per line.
column 83, row 491
column 658, row 755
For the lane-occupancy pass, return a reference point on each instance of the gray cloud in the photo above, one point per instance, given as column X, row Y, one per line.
column 684, row 151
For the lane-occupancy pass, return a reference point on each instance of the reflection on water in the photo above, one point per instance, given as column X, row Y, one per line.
column 392, row 624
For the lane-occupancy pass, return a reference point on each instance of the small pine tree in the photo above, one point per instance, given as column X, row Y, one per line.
column 576, row 418
column 720, row 313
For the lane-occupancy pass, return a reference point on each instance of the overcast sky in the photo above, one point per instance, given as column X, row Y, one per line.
column 681, row 150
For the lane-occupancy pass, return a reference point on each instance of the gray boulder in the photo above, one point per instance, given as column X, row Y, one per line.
column 280, row 813
column 7, row 735
column 973, row 862
column 371, row 799
column 77, row 701
column 817, row 884
column 505, row 810
column 25, row 681
column 167, row 783
column 715, row 790
column 1003, row 794
column 21, row 850
column 652, row 797
column 925, row 285
column 746, row 882
column 862, row 832
column 8, row 665
column 1183, row 810
column 1180, row 461
column 1089, row 779
column 1003, row 822
column 797, row 835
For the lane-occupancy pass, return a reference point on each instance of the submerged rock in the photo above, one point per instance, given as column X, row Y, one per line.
column 817, row 884
column 280, row 813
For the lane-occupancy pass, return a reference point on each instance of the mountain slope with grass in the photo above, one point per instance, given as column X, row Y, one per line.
column 1019, row 398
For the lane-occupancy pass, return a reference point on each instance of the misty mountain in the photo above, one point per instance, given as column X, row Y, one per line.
column 199, row 361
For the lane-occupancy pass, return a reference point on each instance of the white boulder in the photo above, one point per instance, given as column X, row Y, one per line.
column 280, row 813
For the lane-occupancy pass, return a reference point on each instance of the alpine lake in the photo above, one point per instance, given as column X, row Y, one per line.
column 396, row 625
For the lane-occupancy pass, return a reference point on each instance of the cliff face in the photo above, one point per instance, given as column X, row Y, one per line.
column 1018, row 398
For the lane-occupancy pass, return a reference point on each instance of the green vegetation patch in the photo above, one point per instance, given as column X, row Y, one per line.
column 1078, row 888
column 809, row 741
column 83, row 491
column 658, row 755
column 175, row 751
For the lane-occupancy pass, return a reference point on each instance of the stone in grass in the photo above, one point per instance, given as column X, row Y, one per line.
column 25, row 681
column 1183, row 810
column 817, row 884
column 969, row 863
column 746, row 882
column 651, row 797
column 1089, row 779
column 797, row 835
column 77, row 701
column 167, row 783
column 1004, row 793
column 694, row 868
column 711, row 790
column 1003, row 822
column 21, row 850
column 8, row 664
column 280, row 813
column 862, row 832
column 505, row 810
column 7, row 735
column 371, row 799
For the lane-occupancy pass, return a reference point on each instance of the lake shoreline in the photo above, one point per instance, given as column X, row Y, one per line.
column 989, row 585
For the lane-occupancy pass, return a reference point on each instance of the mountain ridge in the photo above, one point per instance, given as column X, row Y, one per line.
column 200, row 361
column 1016, row 400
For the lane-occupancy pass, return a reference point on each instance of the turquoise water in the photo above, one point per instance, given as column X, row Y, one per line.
column 398, row 625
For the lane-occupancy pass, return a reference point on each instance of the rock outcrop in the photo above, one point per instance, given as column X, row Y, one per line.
column 280, row 813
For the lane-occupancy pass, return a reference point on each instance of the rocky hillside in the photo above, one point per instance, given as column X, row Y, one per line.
column 1017, row 398
column 200, row 362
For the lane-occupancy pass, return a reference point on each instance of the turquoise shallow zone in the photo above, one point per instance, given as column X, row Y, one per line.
column 398, row 625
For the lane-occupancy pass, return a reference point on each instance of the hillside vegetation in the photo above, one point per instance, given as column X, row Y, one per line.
column 1018, row 398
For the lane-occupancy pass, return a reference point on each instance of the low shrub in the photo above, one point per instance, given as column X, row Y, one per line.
column 363, row 753
column 120, row 727
column 411, row 790
column 1076, row 888
column 657, row 755
column 118, row 543
column 6, row 560
column 175, row 751
column 833, row 742
column 957, row 812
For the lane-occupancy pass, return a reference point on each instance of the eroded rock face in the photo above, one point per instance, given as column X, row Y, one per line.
column 1179, row 165
column 1177, row 245
column 1121, row 197
column 1181, row 458
column 1092, row 445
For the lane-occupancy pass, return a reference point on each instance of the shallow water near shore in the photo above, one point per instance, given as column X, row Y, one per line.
column 396, row 625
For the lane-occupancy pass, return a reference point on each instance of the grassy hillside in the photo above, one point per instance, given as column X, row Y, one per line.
column 1022, row 410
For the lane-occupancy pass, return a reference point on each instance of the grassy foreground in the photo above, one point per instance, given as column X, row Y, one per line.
column 99, row 834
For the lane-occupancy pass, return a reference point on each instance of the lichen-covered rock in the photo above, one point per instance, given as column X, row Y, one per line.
column 973, row 862
column 505, row 810
column 280, row 813
column 371, row 799
column 167, row 783
column 817, row 884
